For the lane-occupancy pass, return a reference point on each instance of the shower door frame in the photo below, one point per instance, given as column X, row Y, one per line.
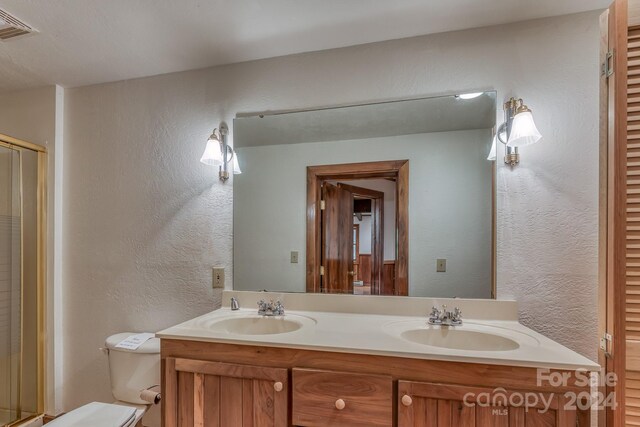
column 41, row 263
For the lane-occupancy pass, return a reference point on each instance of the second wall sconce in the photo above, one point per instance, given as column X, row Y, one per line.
column 219, row 153
column 518, row 130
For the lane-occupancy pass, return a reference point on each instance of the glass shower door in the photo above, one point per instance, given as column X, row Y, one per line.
column 21, row 231
column 10, row 285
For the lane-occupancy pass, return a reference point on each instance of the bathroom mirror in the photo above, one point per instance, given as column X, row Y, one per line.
column 388, row 198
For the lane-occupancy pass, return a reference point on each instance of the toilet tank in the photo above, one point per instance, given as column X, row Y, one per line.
column 132, row 371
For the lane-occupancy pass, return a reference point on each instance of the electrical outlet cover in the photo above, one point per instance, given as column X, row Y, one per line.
column 218, row 277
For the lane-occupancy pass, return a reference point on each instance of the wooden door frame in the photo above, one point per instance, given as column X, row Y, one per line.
column 377, row 232
column 316, row 175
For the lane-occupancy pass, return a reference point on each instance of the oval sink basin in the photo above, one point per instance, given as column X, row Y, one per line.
column 259, row 325
column 458, row 339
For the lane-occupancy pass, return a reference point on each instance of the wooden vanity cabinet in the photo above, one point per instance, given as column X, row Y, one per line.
column 202, row 393
column 229, row 385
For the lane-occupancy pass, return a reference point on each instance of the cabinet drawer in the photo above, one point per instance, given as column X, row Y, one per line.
column 329, row 398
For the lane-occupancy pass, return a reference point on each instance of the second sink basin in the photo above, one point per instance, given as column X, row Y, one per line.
column 250, row 324
column 470, row 336
column 460, row 339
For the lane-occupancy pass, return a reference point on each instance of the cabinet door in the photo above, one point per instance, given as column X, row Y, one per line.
column 212, row 394
column 442, row 405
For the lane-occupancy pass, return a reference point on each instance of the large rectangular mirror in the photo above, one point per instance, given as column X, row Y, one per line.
column 390, row 198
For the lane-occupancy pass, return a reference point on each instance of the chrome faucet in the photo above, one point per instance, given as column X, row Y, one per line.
column 234, row 304
column 270, row 309
column 444, row 317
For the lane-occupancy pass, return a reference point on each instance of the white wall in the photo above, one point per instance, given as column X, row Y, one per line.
column 364, row 235
column 145, row 221
column 449, row 210
column 34, row 115
column 29, row 115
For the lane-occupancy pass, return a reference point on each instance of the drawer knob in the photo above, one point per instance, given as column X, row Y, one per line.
column 406, row 400
column 340, row 404
column 277, row 386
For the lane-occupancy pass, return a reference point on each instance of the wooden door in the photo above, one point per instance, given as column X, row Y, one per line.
column 318, row 175
column 213, row 394
column 376, row 259
column 619, row 270
column 443, row 405
column 337, row 240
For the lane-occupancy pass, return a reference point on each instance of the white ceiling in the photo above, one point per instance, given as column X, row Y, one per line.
column 94, row 41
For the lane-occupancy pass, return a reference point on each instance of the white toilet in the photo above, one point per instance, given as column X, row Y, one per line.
column 131, row 372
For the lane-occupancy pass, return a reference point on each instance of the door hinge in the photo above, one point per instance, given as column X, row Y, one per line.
column 323, row 205
column 321, row 270
column 606, row 69
column 605, row 345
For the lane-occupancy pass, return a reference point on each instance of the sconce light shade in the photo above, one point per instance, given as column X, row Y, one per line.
column 493, row 153
column 523, row 130
column 212, row 155
column 236, row 164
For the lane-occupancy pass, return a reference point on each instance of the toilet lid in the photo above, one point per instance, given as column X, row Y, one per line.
column 96, row 414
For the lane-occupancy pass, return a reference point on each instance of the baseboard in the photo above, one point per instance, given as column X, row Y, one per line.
column 48, row 418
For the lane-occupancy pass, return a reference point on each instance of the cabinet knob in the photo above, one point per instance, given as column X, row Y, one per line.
column 406, row 400
column 277, row 386
column 340, row 404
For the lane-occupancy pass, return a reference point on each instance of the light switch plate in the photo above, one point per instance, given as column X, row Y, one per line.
column 218, row 277
column 441, row 266
column 294, row 257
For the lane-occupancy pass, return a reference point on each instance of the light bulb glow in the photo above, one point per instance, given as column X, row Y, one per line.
column 470, row 95
column 523, row 131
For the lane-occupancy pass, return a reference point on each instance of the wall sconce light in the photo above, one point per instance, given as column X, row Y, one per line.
column 518, row 130
column 218, row 153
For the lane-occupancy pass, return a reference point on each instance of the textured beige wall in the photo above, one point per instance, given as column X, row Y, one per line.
column 145, row 221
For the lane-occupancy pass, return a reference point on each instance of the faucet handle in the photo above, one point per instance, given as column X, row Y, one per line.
column 456, row 316
column 278, row 308
column 435, row 318
column 436, row 315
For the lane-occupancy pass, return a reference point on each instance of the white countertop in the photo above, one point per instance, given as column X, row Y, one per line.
column 379, row 334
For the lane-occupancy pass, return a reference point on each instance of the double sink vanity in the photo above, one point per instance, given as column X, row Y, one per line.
column 342, row 360
column 364, row 221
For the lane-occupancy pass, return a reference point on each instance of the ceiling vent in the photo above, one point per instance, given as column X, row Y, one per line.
column 11, row 27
